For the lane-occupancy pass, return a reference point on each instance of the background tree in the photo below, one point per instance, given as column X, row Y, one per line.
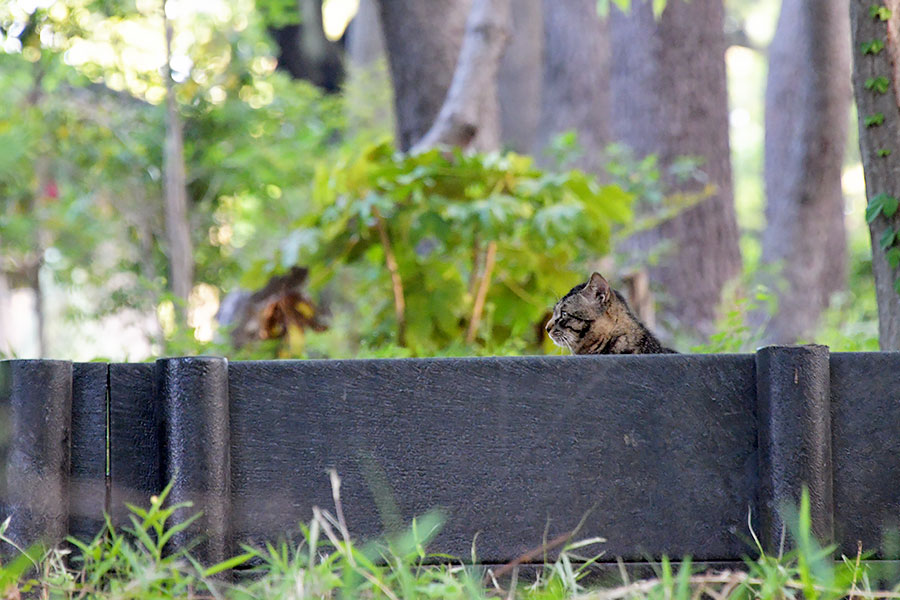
column 807, row 102
column 875, row 86
column 178, row 228
column 368, row 94
column 575, row 88
column 519, row 77
column 423, row 41
column 669, row 98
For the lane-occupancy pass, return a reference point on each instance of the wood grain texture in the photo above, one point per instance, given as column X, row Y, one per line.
column 36, row 404
column 662, row 448
column 135, row 427
column 866, row 449
column 87, row 474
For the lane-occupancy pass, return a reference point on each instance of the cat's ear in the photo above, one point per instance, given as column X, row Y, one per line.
column 597, row 287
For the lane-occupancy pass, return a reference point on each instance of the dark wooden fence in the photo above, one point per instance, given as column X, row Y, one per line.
column 668, row 454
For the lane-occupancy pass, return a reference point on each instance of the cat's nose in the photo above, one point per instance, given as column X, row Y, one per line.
column 549, row 325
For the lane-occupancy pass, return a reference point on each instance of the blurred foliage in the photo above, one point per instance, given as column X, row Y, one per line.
column 276, row 179
column 282, row 175
column 440, row 213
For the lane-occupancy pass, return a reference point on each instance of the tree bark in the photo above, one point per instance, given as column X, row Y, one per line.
column 519, row 77
column 178, row 232
column 575, row 90
column 423, row 39
column 368, row 91
column 6, row 349
column 462, row 119
column 669, row 98
column 878, row 143
column 807, row 102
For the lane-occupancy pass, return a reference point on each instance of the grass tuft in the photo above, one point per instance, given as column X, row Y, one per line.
column 136, row 563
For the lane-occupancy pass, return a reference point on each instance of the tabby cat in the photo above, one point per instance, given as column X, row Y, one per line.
column 593, row 318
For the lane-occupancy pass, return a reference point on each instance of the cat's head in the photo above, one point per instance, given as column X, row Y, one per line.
column 575, row 316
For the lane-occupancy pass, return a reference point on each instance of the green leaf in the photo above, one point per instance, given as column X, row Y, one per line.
column 887, row 238
column 883, row 152
column 873, row 47
column 880, row 84
column 873, row 208
column 877, row 11
column 881, row 203
column 228, row 564
column 874, row 120
column 897, row 285
column 603, row 6
column 658, row 7
column 893, row 257
column 890, row 206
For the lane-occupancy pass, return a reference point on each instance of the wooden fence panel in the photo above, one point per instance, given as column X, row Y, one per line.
column 865, row 400
column 660, row 450
column 665, row 454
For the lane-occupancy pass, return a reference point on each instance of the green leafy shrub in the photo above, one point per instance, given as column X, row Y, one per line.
column 443, row 247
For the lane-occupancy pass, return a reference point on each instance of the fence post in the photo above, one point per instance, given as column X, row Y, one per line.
column 88, row 485
column 193, row 393
column 794, row 411
column 35, row 425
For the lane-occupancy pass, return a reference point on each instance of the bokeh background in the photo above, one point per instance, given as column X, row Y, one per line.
column 256, row 184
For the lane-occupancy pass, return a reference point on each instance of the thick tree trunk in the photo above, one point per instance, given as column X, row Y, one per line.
column 178, row 232
column 519, row 77
column 575, row 91
column 470, row 114
column 669, row 98
column 305, row 52
column 423, row 39
column 807, row 102
column 876, row 50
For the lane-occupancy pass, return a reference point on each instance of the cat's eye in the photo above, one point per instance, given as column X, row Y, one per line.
column 563, row 314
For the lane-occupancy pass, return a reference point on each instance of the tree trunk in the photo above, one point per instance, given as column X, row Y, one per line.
column 6, row 348
column 368, row 91
column 669, row 98
column 178, row 232
column 876, row 50
column 807, row 102
column 470, row 114
column 575, row 91
column 423, row 39
column 519, row 77
column 305, row 52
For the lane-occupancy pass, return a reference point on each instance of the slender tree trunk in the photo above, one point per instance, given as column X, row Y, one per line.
column 575, row 90
column 669, row 98
column 519, row 78
column 876, row 51
column 37, row 291
column 181, row 255
column 368, row 93
column 423, row 39
column 6, row 348
column 807, row 102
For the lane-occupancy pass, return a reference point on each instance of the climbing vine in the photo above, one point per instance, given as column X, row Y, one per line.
column 882, row 203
